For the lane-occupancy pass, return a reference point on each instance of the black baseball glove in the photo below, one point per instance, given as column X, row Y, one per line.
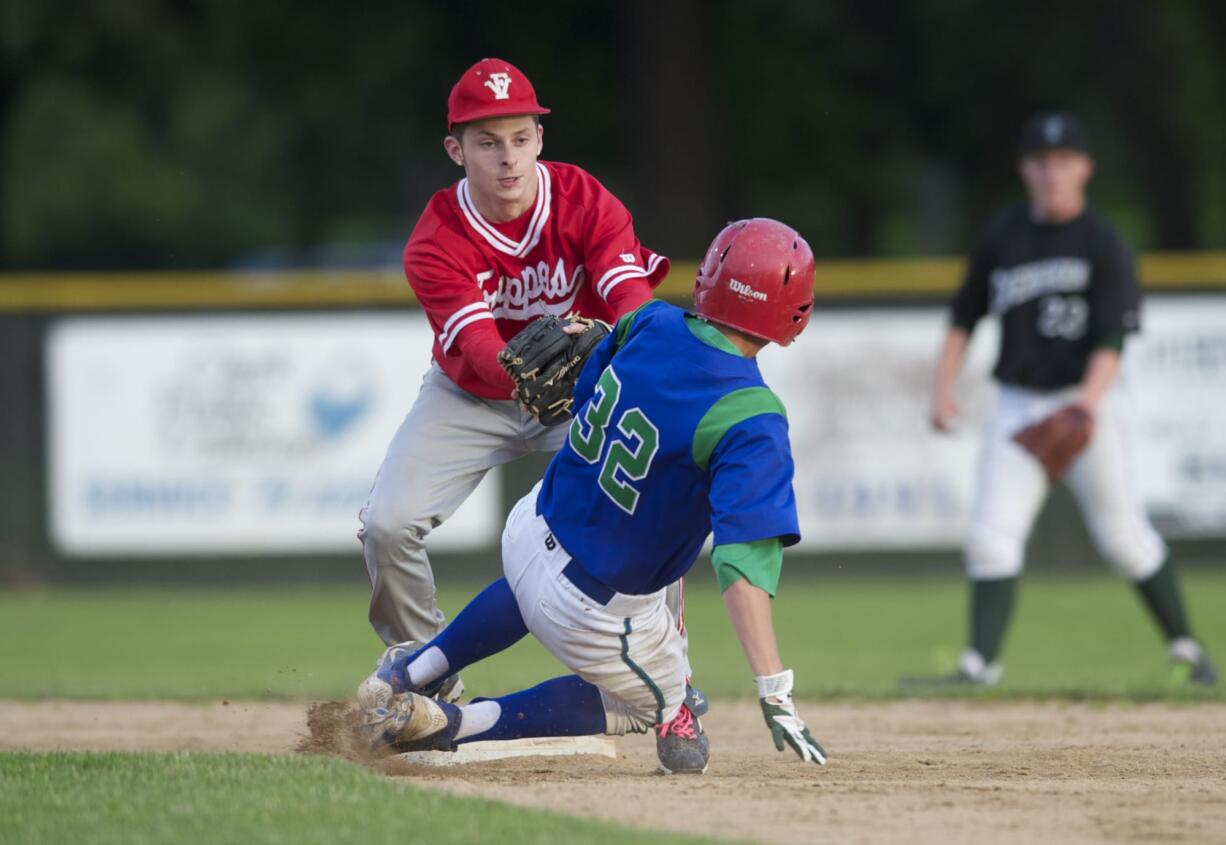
column 545, row 359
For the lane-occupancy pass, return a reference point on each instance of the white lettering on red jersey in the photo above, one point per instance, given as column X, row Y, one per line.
column 568, row 252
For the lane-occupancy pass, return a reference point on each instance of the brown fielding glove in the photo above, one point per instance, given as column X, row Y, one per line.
column 544, row 361
column 1057, row 439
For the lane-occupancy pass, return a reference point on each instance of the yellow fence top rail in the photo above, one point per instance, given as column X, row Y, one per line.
column 145, row 290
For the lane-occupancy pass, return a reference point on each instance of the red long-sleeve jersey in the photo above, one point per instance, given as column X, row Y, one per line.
column 481, row 282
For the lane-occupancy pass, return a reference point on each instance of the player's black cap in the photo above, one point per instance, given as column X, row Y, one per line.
column 1053, row 131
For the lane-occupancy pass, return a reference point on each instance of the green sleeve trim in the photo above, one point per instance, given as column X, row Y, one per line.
column 626, row 321
column 732, row 408
column 710, row 335
column 759, row 562
column 1113, row 341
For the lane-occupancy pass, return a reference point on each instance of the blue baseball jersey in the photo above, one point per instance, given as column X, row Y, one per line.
column 675, row 435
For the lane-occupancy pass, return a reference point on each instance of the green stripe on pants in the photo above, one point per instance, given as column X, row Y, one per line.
column 643, row 676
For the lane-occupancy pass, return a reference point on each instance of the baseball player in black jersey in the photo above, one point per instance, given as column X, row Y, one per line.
column 1064, row 287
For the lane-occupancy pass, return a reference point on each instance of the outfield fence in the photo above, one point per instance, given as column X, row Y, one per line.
column 226, row 426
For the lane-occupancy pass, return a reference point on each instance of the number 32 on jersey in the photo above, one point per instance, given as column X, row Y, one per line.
column 625, row 461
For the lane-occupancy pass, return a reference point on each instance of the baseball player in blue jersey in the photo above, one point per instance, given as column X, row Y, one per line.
column 675, row 437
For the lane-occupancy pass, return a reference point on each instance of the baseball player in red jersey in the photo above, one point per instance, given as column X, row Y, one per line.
column 516, row 239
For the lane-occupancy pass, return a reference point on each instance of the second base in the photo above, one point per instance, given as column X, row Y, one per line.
column 480, row 752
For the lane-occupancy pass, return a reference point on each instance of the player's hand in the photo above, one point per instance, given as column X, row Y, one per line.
column 944, row 411
column 775, row 696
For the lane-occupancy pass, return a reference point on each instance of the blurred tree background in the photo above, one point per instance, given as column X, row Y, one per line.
column 178, row 134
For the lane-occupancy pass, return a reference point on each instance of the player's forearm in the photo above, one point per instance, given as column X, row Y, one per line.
column 944, row 394
column 480, row 346
column 1101, row 371
column 749, row 608
column 949, row 363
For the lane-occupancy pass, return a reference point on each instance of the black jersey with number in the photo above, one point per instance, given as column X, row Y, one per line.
column 1061, row 290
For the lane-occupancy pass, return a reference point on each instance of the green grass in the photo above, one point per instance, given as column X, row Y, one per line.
column 130, row 799
column 1079, row 636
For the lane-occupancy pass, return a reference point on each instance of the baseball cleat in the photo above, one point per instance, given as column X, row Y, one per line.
column 972, row 671
column 413, row 722
column 696, row 700
column 953, row 679
column 682, row 747
column 1203, row 672
column 451, row 691
column 1191, row 664
column 390, row 679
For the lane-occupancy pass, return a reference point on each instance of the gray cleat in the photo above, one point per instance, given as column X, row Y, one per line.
column 972, row 672
column 451, row 691
column 1191, row 664
column 1203, row 672
column 696, row 700
column 389, row 680
column 413, row 722
column 682, row 747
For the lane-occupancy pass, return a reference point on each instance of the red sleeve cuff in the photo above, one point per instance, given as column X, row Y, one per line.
column 480, row 344
column 628, row 295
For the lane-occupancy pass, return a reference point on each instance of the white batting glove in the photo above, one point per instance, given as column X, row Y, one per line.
column 775, row 696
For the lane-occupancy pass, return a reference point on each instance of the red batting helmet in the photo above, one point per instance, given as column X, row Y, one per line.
column 757, row 277
column 491, row 88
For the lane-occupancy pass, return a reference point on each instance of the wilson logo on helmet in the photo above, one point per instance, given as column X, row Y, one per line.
column 746, row 290
column 499, row 83
column 757, row 277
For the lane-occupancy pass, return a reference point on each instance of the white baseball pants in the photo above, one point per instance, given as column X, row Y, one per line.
column 1011, row 487
column 630, row 647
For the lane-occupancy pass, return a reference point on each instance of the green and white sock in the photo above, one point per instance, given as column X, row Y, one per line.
column 1160, row 592
column 991, row 610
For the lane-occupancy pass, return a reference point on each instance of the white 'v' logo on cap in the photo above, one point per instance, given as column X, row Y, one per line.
column 499, row 83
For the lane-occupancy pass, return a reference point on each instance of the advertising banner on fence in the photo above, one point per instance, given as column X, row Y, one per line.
column 245, row 434
column 1176, row 376
column 869, row 471
column 232, row 434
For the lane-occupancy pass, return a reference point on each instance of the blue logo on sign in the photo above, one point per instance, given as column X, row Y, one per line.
column 332, row 414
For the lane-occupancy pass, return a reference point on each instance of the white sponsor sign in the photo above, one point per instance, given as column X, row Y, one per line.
column 234, row 434
column 1177, row 378
column 263, row 433
column 870, row 473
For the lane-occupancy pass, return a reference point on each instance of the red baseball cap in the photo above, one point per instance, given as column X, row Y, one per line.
column 491, row 88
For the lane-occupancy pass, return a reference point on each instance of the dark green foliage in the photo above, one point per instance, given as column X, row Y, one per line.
column 201, row 134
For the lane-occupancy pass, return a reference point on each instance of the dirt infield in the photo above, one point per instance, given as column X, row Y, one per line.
column 908, row 771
